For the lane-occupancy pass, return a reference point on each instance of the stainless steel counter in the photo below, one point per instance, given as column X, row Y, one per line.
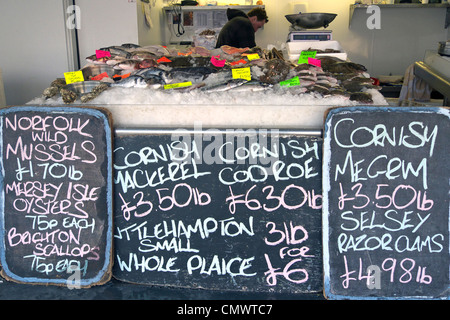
column 435, row 70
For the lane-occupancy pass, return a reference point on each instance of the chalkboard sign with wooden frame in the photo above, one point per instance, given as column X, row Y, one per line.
column 219, row 209
column 386, row 203
column 56, row 195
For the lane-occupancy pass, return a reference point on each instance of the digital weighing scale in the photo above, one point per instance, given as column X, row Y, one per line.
column 302, row 22
column 301, row 37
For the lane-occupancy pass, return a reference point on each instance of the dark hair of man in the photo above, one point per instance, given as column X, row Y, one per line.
column 260, row 14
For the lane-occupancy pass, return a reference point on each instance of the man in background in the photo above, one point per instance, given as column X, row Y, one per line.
column 239, row 31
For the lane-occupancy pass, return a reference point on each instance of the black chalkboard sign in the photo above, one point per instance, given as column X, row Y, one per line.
column 386, row 203
column 221, row 210
column 56, row 195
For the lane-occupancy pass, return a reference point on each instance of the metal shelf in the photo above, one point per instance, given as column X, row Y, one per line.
column 354, row 7
column 195, row 8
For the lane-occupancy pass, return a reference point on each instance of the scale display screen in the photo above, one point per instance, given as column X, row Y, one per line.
column 300, row 36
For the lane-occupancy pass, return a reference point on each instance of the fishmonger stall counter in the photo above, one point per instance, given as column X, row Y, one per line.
column 188, row 171
column 179, row 86
column 225, row 87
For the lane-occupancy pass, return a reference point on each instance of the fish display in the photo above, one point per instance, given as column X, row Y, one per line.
column 234, row 70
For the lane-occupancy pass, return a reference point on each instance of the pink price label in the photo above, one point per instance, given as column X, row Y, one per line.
column 101, row 54
column 216, row 62
column 315, row 62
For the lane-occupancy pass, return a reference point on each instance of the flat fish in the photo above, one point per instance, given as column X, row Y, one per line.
column 232, row 50
column 319, row 88
column 354, row 86
column 361, row 97
column 345, row 67
column 201, row 51
column 275, row 71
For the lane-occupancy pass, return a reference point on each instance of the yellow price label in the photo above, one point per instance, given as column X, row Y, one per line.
column 177, row 85
column 242, row 73
column 253, row 56
column 75, row 76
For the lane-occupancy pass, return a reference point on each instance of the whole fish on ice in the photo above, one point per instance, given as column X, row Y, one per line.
column 128, row 65
column 155, row 65
column 252, row 86
column 154, row 75
column 189, row 74
column 224, row 86
column 132, row 81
